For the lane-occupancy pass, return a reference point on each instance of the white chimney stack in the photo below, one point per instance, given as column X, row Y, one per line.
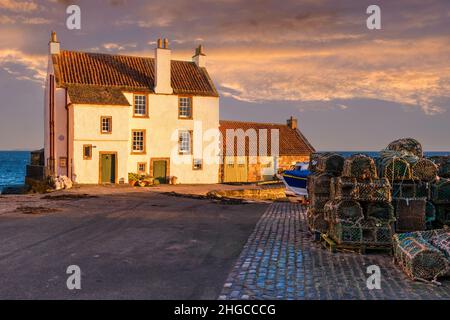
column 200, row 57
column 162, row 67
column 53, row 45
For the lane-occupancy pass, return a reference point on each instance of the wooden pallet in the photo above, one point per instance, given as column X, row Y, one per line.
column 333, row 247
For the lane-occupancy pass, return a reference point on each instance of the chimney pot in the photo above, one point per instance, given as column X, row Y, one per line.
column 166, row 43
column 199, row 57
column 53, row 45
column 159, row 43
column 292, row 122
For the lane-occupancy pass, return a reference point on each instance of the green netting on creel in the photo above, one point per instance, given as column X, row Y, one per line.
column 407, row 145
column 343, row 188
column 382, row 212
column 430, row 212
column 346, row 233
column 360, row 166
column 441, row 191
column 327, row 162
column 374, row 190
column 443, row 213
column 424, row 170
column 395, row 169
column 419, row 259
column 343, row 211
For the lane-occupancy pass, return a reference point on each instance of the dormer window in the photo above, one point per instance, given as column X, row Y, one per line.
column 185, row 107
column 140, row 108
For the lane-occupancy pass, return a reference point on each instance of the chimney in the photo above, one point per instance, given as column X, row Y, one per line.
column 162, row 67
column 200, row 57
column 53, row 45
column 292, row 122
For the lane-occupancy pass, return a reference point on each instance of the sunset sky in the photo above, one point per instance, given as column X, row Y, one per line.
column 350, row 87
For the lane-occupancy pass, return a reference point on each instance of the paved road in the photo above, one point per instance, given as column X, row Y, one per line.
column 129, row 246
column 280, row 261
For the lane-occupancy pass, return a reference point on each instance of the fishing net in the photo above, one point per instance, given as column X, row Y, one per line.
column 443, row 163
column 347, row 211
column 375, row 232
column 430, row 214
column 441, row 191
column 411, row 189
column 327, row 162
column 319, row 183
column 418, row 258
column 346, row 233
column 443, row 213
column 395, row 168
column 442, row 242
column 424, row 170
column 317, row 201
column 410, row 214
column 316, row 220
column 375, row 190
column 343, row 188
column 407, row 145
column 360, row 166
column 381, row 212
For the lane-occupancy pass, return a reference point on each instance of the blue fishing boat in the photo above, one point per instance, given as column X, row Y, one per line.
column 296, row 178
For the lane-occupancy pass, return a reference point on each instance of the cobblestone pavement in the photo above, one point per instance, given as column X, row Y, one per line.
column 281, row 261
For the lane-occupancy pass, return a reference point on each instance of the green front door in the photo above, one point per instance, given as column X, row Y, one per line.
column 160, row 170
column 108, row 165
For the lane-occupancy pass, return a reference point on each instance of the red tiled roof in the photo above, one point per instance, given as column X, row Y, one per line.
column 291, row 141
column 128, row 73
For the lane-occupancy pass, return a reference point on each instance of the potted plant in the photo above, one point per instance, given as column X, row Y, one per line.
column 133, row 179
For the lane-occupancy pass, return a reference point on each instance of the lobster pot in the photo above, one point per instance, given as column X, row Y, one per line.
column 346, row 233
column 443, row 213
column 331, row 163
column 411, row 189
column 360, row 166
column 317, row 202
column 418, row 258
column 319, row 183
column 375, row 190
column 407, row 145
column 381, row 212
column 395, row 168
column 343, row 211
column 442, row 242
column 376, row 233
column 410, row 214
column 316, row 221
column 343, row 188
column 443, row 163
column 441, row 191
column 430, row 214
column 424, row 170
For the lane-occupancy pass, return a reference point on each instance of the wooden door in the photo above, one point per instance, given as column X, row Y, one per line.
column 108, row 168
column 235, row 171
column 160, row 170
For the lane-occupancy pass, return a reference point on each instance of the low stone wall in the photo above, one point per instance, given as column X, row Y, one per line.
column 257, row 194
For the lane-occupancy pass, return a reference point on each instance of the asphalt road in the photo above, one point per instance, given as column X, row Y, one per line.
column 128, row 246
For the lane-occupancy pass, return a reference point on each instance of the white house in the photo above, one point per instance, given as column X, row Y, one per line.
column 109, row 115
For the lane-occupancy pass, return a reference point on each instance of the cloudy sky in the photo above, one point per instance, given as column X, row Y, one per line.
column 350, row 87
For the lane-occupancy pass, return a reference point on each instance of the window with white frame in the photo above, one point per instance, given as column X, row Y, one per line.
column 184, row 142
column 185, row 107
column 138, row 141
column 140, row 105
column 106, row 124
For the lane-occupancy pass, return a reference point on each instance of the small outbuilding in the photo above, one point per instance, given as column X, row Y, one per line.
column 252, row 151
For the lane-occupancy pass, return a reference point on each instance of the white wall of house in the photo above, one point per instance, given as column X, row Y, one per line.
column 161, row 138
column 86, row 131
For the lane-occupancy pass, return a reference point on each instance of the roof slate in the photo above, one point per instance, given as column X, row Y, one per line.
column 129, row 73
column 291, row 141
